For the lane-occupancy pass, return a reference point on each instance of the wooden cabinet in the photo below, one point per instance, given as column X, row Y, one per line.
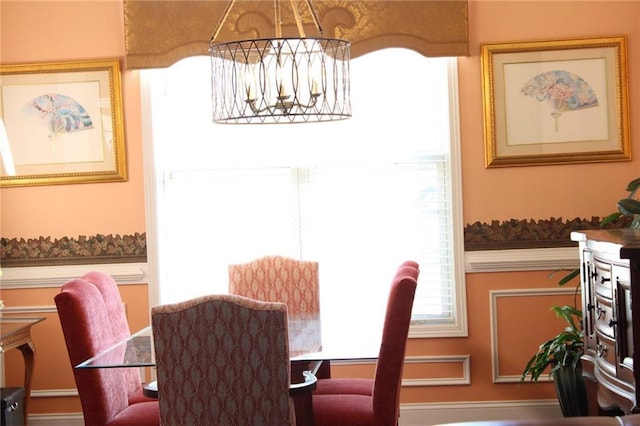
column 610, row 277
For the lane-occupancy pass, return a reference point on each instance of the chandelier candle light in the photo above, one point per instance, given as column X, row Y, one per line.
column 282, row 79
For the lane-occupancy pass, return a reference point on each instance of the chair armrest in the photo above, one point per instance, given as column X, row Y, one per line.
column 307, row 386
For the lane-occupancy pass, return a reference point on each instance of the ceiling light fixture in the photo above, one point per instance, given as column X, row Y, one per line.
column 281, row 79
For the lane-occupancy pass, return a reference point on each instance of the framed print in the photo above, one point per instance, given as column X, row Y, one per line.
column 61, row 123
column 551, row 102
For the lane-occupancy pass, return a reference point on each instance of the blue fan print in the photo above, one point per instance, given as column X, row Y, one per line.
column 563, row 90
column 62, row 113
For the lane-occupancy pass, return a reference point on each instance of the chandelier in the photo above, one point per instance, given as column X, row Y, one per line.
column 281, row 79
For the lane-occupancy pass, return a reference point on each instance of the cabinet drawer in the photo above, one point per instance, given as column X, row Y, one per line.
column 601, row 279
column 625, row 371
column 604, row 317
column 606, row 355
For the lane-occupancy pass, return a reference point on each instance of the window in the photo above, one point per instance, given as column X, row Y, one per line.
column 359, row 196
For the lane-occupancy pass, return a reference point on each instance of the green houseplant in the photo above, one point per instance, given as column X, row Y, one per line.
column 629, row 207
column 562, row 352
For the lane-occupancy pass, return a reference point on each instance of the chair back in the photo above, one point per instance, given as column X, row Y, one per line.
column 117, row 319
column 389, row 367
column 87, row 331
column 222, row 360
column 291, row 281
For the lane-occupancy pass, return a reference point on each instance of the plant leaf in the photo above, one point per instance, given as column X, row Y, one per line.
column 610, row 218
column 571, row 275
column 633, row 185
column 629, row 207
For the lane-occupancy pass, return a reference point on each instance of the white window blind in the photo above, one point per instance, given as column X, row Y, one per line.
column 359, row 196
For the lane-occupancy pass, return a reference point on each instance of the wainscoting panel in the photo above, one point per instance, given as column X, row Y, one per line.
column 499, row 323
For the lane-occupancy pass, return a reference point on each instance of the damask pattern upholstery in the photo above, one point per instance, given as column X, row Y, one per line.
column 369, row 402
column 160, row 33
column 87, row 330
column 119, row 327
column 222, row 360
column 291, row 281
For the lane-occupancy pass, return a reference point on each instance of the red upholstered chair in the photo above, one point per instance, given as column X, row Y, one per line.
column 119, row 327
column 223, row 360
column 87, row 330
column 359, row 401
column 291, row 281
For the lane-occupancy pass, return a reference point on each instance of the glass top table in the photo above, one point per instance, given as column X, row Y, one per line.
column 138, row 350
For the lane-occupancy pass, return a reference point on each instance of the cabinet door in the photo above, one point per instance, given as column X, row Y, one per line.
column 588, row 303
column 623, row 323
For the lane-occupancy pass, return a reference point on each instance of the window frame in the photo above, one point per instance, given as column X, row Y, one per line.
column 153, row 201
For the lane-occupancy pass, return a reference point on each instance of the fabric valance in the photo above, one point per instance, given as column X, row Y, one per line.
column 161, row 32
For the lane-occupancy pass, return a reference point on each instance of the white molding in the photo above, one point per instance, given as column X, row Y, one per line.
column 136, row 273
column 55, row 276
column 45, row 309
column 465, row 379
column 459, row 327
column 426, row 414
column 422, row 414
column 57, row 419
column 494, row 295
column 54, row 393
column 541, row 259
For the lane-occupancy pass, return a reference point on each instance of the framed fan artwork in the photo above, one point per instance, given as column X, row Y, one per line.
column 554, row 102
column 61, row 123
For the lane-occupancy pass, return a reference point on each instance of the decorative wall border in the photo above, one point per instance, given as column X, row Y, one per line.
column 100, row 249
column 529, row 233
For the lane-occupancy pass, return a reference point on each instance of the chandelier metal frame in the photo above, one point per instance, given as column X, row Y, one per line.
column 281, row 79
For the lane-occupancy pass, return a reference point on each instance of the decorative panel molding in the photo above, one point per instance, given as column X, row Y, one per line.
column 464, row 379
column 498, row 376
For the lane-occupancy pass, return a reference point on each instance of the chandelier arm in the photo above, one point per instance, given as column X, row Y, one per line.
column 296, row 16
column 314, row 16
column 223, row 18
column 277, row 17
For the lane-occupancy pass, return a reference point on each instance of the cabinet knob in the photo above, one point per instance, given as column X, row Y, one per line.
column 604, row 280
column 612, row 322
column 601, row 349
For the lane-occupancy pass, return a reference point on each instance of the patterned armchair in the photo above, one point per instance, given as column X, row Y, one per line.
column 291, row 281
column 87, row 328
column 223, row 360
column 369, row 402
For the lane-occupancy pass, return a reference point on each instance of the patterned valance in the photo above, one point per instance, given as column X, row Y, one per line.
column 159, row 33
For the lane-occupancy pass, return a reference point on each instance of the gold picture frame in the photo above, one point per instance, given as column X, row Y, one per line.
column 554, row 102
column 61, row 123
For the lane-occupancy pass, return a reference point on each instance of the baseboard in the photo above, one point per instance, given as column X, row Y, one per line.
column 62, row 419
column 427, row 414
column 410, row 414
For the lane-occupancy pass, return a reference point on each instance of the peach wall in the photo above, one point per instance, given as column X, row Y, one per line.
column 50, row 31
column 44, row 31
column 569, row 191
column 86, row 30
